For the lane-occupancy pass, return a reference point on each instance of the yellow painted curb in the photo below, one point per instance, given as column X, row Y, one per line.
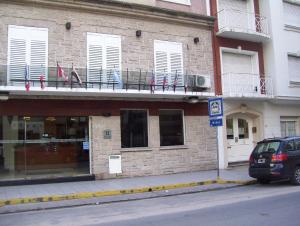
column 86, row 195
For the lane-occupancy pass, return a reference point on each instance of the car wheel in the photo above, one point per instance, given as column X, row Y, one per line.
column 263, row 181
column 296, row 176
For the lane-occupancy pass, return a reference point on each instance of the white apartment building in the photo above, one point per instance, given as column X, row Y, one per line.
column 282, row 63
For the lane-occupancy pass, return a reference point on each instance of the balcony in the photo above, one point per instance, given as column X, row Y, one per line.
column 242, row 25
column 246, row 85
column 95, row 82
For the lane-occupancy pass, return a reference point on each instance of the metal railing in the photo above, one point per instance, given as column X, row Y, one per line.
column 246, row 85
column 242, row 21
column 97, row 78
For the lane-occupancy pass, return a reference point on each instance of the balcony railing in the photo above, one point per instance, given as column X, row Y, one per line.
column 246, row 85
column 95, row 80
column 230, row 20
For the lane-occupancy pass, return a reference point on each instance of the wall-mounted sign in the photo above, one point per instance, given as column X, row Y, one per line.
column 85, row 145
column 107, row 134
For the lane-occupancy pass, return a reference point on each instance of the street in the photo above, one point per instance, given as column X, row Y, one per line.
column 275, row 204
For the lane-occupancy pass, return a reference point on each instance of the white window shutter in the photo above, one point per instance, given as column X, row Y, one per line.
column 27, row 46
column 95, row 46
column 176, row 68
column 103, row 57
column 294, row 68
column 168, row 61
column 17, row 59
column 161, row 67
column 38, row 59
column 113, row 57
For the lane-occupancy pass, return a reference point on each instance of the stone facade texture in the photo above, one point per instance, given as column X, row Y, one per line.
column 198, row 152
column 69, row 46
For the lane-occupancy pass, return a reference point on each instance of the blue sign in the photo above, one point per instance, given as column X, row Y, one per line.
column 85, row 145
column 213, row 122
column 215, row 107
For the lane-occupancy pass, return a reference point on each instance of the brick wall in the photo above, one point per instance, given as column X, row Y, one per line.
column 69, row 47
column 198, row 153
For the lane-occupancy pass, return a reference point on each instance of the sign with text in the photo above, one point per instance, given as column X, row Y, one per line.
column 215, row 107
column 215, row 112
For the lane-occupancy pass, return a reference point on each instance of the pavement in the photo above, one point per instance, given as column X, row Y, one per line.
column 58, row 195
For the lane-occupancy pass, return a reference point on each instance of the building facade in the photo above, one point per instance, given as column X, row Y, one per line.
column 256, row 51
column 110, row 89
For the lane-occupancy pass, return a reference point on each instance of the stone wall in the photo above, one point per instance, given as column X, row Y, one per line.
column 198, row 152
column 69, row 46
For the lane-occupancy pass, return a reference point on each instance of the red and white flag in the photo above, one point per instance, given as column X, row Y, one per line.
column 61, row 73
column 76, row 75
column 42, row 81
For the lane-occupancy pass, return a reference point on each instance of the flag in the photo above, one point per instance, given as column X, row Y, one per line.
column 152, row 83
column 75, row 74
column 61, row 73
column 175, row 82
column 118, row 79
column 42, row 81
column 164, row 81
column 27, row 81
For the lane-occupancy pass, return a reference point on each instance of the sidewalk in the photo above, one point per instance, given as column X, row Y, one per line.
column 26, row 197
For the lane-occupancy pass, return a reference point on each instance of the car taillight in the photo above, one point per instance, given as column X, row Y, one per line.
column 251, row 159
column 279, row 157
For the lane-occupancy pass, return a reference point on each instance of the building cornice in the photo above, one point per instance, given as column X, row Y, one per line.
column 123, row 9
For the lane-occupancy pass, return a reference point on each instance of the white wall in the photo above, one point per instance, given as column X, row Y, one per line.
column 282, row 41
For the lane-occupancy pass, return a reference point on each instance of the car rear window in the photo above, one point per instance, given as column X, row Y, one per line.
column 270, row 147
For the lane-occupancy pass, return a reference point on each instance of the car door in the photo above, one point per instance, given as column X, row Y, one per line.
column 292, row 156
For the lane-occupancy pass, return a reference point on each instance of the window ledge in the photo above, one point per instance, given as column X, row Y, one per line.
column 174, row 147
column 294, row 84
column 136, row 149
column 290, row 27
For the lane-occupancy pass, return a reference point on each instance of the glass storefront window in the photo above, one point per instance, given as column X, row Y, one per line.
column 41, row 147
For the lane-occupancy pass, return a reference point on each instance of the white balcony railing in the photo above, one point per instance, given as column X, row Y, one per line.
column 243, row 22
column 246, row 85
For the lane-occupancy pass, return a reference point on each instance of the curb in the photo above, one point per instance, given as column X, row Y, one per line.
column 86, row 195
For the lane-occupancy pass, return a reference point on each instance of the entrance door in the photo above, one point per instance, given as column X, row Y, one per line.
column 239, row 138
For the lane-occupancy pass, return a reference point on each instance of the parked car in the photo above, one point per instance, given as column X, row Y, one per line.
column 275, row 159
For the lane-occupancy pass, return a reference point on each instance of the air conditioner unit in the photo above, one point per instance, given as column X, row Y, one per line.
column 202, row 81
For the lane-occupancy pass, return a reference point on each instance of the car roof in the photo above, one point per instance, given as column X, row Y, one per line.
column 281, row 138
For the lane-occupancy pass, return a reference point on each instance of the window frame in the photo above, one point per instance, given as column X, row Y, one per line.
column 181, row 2
column 183, row 127
column 27, row 34
column 148, row 127
column 286, row 120
column 169, row 48
column 291, row 78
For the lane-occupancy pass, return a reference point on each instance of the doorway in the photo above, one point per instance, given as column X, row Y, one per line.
column 239, row 137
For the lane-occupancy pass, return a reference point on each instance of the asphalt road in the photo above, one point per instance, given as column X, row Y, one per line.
column 276, row 204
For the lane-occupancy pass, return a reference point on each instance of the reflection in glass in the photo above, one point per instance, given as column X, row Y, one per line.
column 35, row 147
column 243, row 129
column 229, row 128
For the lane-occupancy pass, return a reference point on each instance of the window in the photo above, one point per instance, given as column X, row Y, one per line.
column 243, row 129
column 168, row 63
column 184, row 2
column 291, row 13
column 288, row 127
column 103, row 57
column 134, row 128
column 229, row 128
column 27, row 50
column 289, row 146
column 294, row 68
column 171, row 127
column 297, row 144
